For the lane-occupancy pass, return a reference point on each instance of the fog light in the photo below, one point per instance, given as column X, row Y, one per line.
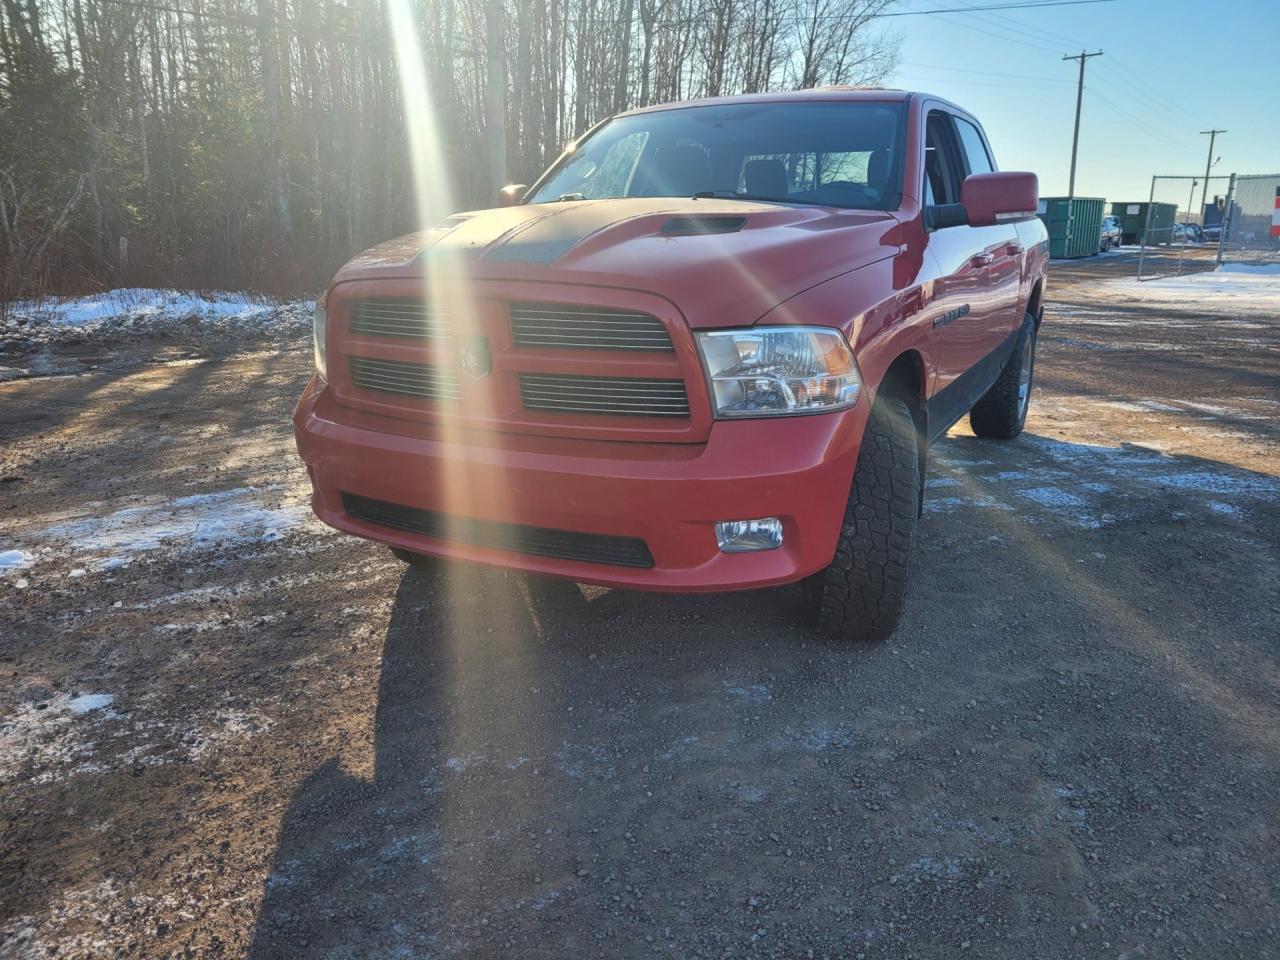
column 742, row 536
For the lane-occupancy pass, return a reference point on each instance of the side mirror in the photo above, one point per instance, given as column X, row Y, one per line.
column 512, row 194
column 992, row 198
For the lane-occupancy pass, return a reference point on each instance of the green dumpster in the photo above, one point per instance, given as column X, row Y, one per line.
column 1135, row 226
column 1074, row 225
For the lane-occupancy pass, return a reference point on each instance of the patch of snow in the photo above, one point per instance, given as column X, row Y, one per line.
column 65, row 736
column 1212, row 292
column 1217, row 410
column 90, row 701
column 14, row 560
column 949, row 504
column 460, row 764
column 1052, row 497
column 1257, row 269
column 1144, row 406
column 755, row 692
column 193, row 522
column 1226, row 509
column 141, row 302
column 142, row 311
column 1213, row 481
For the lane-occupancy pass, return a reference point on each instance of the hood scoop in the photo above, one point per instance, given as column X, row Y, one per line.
column 688, row 226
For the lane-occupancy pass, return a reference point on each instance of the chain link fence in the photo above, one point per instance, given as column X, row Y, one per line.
column 1175, row 229
column 1250, row 218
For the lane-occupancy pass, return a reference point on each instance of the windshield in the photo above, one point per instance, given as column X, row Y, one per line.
column 839, row 154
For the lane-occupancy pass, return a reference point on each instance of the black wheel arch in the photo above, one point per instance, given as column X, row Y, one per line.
column 1035, row 305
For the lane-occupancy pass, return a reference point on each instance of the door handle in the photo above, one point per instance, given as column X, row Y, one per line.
column 1013, row 250
column 981, row 259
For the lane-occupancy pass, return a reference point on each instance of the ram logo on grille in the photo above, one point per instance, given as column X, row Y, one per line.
column 474, row 356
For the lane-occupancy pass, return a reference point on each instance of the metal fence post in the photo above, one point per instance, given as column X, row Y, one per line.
column 1142, row 250
column 1226, row 216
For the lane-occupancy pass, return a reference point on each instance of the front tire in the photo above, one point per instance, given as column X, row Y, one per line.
column 860, row 596
column 1002, row 411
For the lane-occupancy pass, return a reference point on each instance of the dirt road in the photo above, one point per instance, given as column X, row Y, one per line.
column 225, row 731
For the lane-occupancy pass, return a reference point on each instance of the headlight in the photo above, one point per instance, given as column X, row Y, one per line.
column 775, row 371
column 318, row 324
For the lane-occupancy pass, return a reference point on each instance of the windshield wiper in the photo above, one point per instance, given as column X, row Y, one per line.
column 759, row 197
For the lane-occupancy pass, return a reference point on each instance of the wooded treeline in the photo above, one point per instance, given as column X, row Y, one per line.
column 258, row 143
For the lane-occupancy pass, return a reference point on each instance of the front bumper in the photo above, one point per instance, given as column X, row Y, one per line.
column 668, row 494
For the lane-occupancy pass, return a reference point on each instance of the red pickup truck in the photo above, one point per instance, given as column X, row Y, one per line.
column 707, row 350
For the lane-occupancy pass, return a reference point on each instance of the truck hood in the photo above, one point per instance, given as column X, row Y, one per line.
column 721, row 262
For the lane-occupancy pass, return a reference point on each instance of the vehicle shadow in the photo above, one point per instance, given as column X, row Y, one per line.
column 502, row 776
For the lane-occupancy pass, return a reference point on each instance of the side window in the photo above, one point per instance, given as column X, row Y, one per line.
column 942, row 165
column 975, row 151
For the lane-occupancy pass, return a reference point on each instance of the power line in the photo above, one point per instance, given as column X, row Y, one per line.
column 965, row 25
column 1139, row 122
column 982, row 73
column 1142, row 88
column 996, row 6
column 1138, row 86
column 971, row 83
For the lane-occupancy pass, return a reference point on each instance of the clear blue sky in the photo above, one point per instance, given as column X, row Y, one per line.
column 1170, row 69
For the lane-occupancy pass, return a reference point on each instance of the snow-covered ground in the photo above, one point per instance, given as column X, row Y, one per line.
column 102, row 540
column 1249, row 287
column 140, row 310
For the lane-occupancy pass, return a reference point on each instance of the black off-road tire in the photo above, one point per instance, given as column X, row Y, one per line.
column 859, row 597
column 1002, row 411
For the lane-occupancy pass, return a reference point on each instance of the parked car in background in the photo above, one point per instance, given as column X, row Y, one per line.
column 1211, row 232
column 706, row 351
column 1110, row 233
column 1187, row 233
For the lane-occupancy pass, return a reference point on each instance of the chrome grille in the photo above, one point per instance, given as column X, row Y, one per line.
column 414, row 379
column 604, row 395
column 399, row 318
column 568, row 327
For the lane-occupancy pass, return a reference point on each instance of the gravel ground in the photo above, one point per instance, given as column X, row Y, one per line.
column 226, row 731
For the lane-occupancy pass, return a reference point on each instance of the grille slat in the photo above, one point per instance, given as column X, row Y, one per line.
column 399, row 318
column 604, row 395
column 572, row 327
column 519, row 538
column 413, row 379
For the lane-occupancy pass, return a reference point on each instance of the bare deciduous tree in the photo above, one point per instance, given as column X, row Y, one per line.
column 260, row 142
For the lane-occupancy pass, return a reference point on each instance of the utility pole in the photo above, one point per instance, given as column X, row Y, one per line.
column 1075, row 138
column 1212, row 135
